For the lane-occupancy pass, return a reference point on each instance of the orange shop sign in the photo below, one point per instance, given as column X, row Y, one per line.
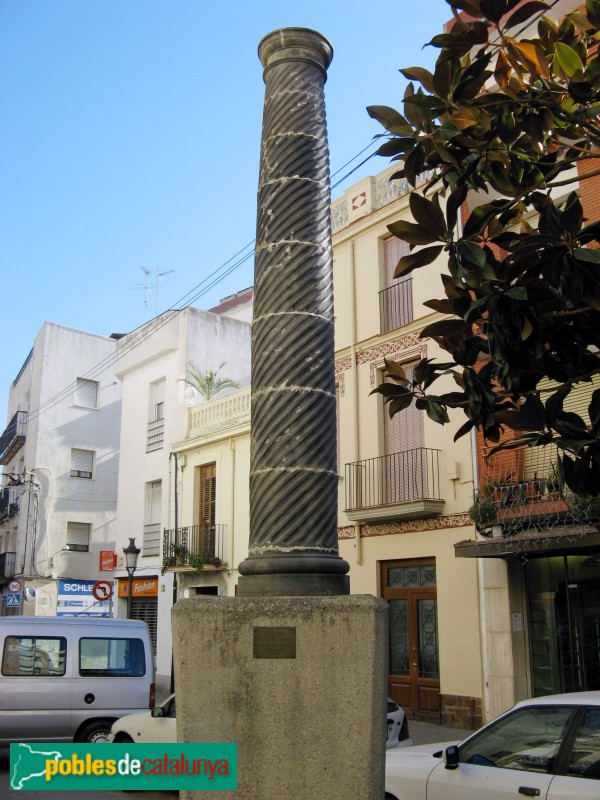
column 141, row 587
column 108, row 560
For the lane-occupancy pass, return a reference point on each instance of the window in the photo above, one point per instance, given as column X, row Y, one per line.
column 112, row 657
column 86, row 393
column 78, row 536
column 395, row 301
column 82, row 463
column 151, row 538
column 528, row 739
column 156, row 413
column 34, row 655
column 157, row 400
column 585, row 756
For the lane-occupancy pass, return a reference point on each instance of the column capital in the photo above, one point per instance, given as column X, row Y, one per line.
column 295, row 44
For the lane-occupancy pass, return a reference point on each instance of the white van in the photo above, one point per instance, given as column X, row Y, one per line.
column 67, row 679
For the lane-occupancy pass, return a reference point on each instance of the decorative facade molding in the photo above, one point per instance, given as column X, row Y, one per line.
column 343, row 365
column 408, row 526
column 404, row 347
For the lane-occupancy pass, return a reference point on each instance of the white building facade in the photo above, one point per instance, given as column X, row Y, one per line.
column 59, row 455
column 152, row 365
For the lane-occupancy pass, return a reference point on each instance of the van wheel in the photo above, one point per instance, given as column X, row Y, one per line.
column 95, row 732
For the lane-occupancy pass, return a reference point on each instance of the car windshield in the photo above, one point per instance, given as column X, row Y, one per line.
column 527, row 739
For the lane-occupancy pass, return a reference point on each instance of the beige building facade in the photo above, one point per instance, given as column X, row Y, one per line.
column 405, row 486
column 404, row 489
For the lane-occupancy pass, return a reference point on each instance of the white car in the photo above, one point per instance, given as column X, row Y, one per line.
column 547, row 747
column 158, row 725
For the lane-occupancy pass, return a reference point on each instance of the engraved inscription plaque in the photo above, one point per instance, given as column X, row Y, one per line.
column 274, row 642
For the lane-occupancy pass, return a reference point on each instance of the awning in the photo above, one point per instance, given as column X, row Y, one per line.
column 560, row 539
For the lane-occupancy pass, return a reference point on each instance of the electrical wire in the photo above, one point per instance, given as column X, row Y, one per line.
column 141, row 334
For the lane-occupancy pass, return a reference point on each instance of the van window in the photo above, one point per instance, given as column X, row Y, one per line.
column 112, row 657
column 34, row 655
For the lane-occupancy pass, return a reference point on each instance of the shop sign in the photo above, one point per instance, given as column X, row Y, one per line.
column 76, row 598
column 141, row 587
column 108, row 560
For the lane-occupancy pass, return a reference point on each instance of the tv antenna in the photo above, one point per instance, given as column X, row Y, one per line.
column 158, row 276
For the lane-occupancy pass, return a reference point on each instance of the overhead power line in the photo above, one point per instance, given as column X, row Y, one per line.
column 141, row 334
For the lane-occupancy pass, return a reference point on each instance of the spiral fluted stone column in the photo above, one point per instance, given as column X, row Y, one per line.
column 263, row 658
column 293, row 546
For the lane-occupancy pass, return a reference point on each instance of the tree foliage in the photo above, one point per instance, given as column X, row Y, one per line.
column 504, row 118
column 207, row 382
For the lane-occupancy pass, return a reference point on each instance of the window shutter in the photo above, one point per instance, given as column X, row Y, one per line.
column 405, row 430
column 393, row 250
column 86, row 393
column 82, row 463
column 155, row 501
column 157, row 400
column 208, row 488
column 78, row 535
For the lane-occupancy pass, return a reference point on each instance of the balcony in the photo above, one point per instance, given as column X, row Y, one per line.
column 194, row 547
column 13, row 438
column 217, row 415
column 396, row 305
column 521, row 486
column 8, row 505
column 397, row 486
column 8, row 562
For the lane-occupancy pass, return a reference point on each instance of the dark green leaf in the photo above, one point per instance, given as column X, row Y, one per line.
column 394, row 369
column 468, row 426
column 419, row 74
column 411, row 233
column 399, row 404
column 428, row 214
column 524, row 12
column 444, row 327
column 415, row 260
column 568, row 59
column 517, row 293
column 391, row 120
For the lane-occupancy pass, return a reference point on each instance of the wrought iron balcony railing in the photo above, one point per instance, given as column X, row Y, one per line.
column 13, row 438
column 520, row 485
column 396, row 305
column 8, row 504
column 194, row 546
column 393, row 480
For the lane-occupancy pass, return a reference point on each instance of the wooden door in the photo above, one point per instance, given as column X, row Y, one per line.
column 414, row 678
column 207, row 506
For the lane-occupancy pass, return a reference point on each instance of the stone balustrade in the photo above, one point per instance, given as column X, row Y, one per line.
column 219, row 414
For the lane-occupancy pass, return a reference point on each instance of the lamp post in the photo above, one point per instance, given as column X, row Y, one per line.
column 131, row 553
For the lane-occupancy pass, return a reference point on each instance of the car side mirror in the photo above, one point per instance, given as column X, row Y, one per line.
column 157, row 712
column 451, row 756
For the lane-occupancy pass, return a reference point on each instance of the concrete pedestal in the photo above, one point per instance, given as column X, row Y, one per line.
column 299, row 683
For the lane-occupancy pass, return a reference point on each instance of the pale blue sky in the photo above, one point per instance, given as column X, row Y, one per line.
column 130, row 134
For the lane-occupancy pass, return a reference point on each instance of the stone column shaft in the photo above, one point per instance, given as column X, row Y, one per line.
column 293, row 481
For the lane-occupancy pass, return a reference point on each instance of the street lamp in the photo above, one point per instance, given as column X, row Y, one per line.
column 131, row 553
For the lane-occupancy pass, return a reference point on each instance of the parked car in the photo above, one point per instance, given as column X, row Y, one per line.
column 397, row 726
column 547, row 747
column 158, row 725
column 67, row 679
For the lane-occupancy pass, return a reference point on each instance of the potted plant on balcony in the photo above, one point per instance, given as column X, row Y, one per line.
column 204, row 560
column 484, row 513
column 176, row 557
